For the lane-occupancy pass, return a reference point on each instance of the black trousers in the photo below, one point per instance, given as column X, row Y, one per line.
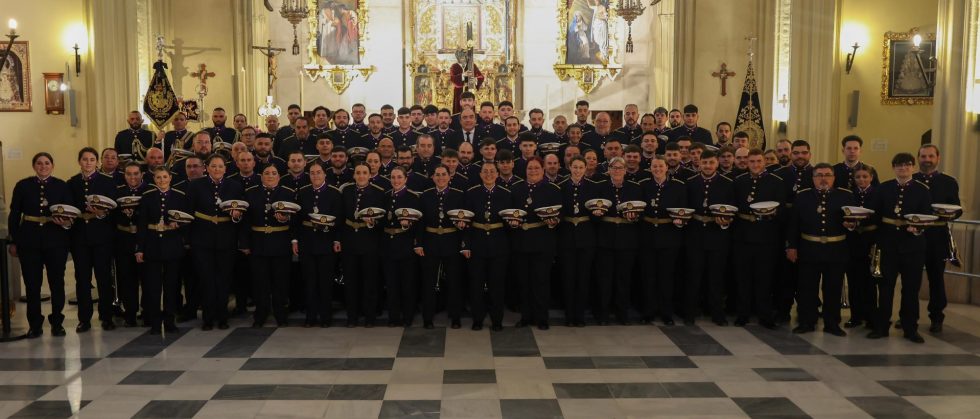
column 128, row 281
column 33, row 263
column 190, row 277
column 241, row 281
column 785, row 288
column 909, row 266
column 270, row 275
column 935, row 266
column 576, row 277
column 215, row 282
column 860, row 285
column 705, row 267
column 401, row 281
column 489, row 272
column 754, row 266
column 361, row 286
column 615, row 273
column 810, row 285
column 451, row 285
column 318, row 274
column 97, row 258
column 659, row 278
column 533, row 275
column 161, row 275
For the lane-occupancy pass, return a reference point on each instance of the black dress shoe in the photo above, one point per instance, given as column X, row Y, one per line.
column 351, row 324
column 223, row 325
column 876, row 335
column 852, row 324
column 803, row 329
column 741, row 321
column 625, row 322
column 580, row 323
column 130, row 323
column 456, row 324
column 543, row 326
column 284, row 323
column 768, row 324
column 836, row 331
column 645, row 320
column 520, row 323
column 369, row 324
column 497, row 327
column 170, row 327
column 108, row 325
column 34, row 333
column 154, row 331
column 689, row 322
column 898, row 324
column 720, row 322
column 477, row 327
column 207, row 327
column 668, row 321
column 393, row 323
column 58, row 331
column 258, row 325
column 936, row 327
column 83, row 327
column 325, row 324
column 428, row 325
column 914, row 337
column 307, row 324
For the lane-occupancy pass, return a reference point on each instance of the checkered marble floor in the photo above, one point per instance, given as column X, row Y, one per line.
column 592, row 372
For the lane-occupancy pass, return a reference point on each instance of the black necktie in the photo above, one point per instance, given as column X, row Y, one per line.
column 469, row 137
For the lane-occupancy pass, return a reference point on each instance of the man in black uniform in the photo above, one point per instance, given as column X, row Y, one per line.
column 672, row 155
column 403, row 134
column 241, row 282
column 426, row 161
column 302, row 141
column 343, row 133
column 596, row 139
column 944, row 190
column 844, row 171
column 388, row 118
column 321, row 121
column 293, row 112
column 373, row 136
column 357, row 115
column 796, row 176
column 816, row 239
column 134, row 135
column 179, row 137
column 316, row 245
column 690, row 128
column 485, row 125
column 264, row 156
column 509, row 141
column 902, row 246
column 127, row 274
column 582, row 116
column 757, row 240
column 444, row 136
column 541, row 135
column 360, row 241
column 466, row 101
column 219, row 132
column 631, row 127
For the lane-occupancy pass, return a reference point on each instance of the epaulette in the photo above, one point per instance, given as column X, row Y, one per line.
column 504, row 188
column 334, row 188
column 640, row 182
column 923, row 184
column 180, row 183
column 120, row 186
column 288, row 189
column 633, row 182
column 562, row 182
column 803, row 190
column 239, row 174
column 104, row 174
column 845, row 190
column 775, row 175
column 251, row 187
column 454, row 189
column 430, row 189
column 305, row 186
column 178, row 191
column 413, row 193
column 725, row 177
column 344, row 186
column 462, row 175
column 152, row 190
column 554, row 184
column 474, row 187
column 517, row 182
column 673, row 179
column 377, row 187
column 743, row 174
column 692, row 177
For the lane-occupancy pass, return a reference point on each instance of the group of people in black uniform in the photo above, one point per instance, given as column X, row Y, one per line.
column 462, row 212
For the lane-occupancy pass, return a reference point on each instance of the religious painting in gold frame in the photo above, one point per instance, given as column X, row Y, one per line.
column 433, row 48
column 15, row 79
column 902, row 80
column 588, row 45
column 335, row 51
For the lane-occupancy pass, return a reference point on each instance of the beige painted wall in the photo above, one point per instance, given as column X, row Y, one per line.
column 886, row 129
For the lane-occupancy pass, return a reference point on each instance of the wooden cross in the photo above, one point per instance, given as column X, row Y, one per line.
column 723, row 74
column 271, row 67
column 202, row 75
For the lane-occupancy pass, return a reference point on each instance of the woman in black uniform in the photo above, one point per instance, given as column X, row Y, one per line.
column 860, row 284
column 662, row 239
column 576, row 241
column 317, row 244
column 360, row 241
column 398, row 244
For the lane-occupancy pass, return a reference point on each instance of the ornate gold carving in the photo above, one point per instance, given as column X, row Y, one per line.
column 886, row 99
column 587, row 76
column 338, row 77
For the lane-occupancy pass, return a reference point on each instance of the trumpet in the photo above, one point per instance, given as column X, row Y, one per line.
column 876, row 262
column 845, row 302
column 953, row 258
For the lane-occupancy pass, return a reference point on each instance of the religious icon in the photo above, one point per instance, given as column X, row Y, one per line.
column 15, row 79
column 338, row 32
column 587, row 39
column 903, row 79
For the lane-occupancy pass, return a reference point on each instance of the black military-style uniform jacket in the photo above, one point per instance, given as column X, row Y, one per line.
column 891, row 203
column 306, row 145
column 614, row 231
column 597, row 141
column 577, row 230
column 398, row 243
column 294, row 182
column 127, row 226
column 487, row 129
column 315, row 132
column 87, row 229
column 262, row 233
column 509, row 182
column 534, row 236
column 696, row 133
column 29, row 220
column 383, row 181
column 459, row 181
column 439, row 237
column 795, row 180
column 750, row 189
column 368, row 141
column 944, row 190
column 864, row 235
column 449, row 138
column 543, row 136
column 472, row 171
column 637, row 176
column 281, row 135
column 277, row 161
column 359, row 126
column 247, row 181
column 404, row 138
column 681, row 173
column 156, row 239
column 316, row 239
column 124, row 141
column 355, row 237
column 630, row 132
column 844, row 176
column 426, row 166
column 223, row 133
column 118, row 177
column 586, row 127
column 182, row 139
column 418, row 181
column 487, row 234
column 507, row 143
column 658, row 230
column 702, row 232
column 338, row 180
column 343, row 136
column 213, row 228
column 815, row 226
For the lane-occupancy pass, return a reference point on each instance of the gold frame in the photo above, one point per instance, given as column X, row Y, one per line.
column 338, row 77
column 588, row 76
column 887, row 99
column 22, row 50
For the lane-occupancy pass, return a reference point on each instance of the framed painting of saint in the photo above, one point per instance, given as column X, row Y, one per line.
column 903, row 78
column 15, row 78
column 338, row 32
column 588, row 47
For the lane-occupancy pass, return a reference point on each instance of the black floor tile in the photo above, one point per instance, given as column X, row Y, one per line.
column 530, row 408
column 514, row 342
column 45, row 364
column 568, row 362
column 240, row 343
column 960, row 339
column 888, row 407
column 469, row 377
column 152, row 377
column 693, row 389
column 318, row 364
column 638, row 391
column 618, row 362
column 668, row 362
column 924, row 360
column 582, row 391
column 358, row 392
column 933, row 387
column 170, row 409
column 784, row 374
column 694, row 341
column 425, row 409
column 147, row 345
column 419, row 342
column 24, row 392
column 47, row 409
column 784, row 341
column 301, row 392
column 244, row 392
column 710, row 349
column 764, row 407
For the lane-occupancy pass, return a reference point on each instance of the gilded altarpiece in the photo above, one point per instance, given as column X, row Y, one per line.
column 438, row 29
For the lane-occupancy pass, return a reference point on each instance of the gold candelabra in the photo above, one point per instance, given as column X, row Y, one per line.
column 629, row 10
column 295, row 11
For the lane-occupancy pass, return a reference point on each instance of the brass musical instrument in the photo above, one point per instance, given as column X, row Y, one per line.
column 953, row 258
column 876, row 262
column 845, row 302
column 139, row 150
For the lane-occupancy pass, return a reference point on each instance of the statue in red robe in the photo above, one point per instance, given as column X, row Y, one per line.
column 458, row 76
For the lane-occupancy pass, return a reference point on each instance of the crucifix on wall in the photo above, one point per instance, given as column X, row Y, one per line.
column 723, row 74
column 202, row 75
column 272, row 66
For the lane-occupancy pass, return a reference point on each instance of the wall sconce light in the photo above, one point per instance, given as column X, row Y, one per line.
column 928, row 73
column 78, row 61
column 12, row 35
column 849, row 62
column 75, row 39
